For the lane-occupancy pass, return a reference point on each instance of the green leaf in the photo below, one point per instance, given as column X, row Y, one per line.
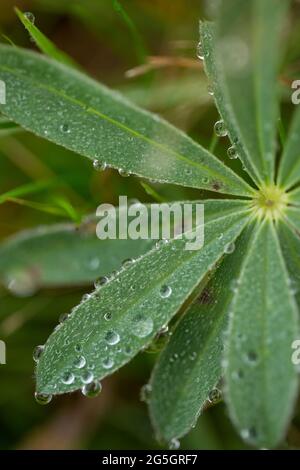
column 29, row 188
column 43, row 43
column 132, row 307
column 261, row 381
column 289, row 169
column 242, row 56
column 190, row 366
column 290, row 244
column 63, row 255
column 86, row 117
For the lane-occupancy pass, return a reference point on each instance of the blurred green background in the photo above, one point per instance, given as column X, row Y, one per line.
column 147, row 50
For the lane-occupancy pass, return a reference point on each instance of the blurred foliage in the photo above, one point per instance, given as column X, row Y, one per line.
column 146, row 50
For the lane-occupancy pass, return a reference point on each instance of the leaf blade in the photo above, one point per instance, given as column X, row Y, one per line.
column 261, row 381
column 101, row 125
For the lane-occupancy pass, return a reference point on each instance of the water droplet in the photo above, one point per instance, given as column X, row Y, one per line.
column 210, row 90
column 92, row 389
column 221, row 235
column 123, row 173
column 161, row 243
column 108, row 363
column 78, row 347
column 165, row 292
column 87, row 377
column 146, row 393
column 42, row 398
column 200, row 51
column 232, row 153
column 174, row 444
column 229, row 248
column 127, row 262
column 99, row 166
column 101, row 281
column 220, row 129
column 205, row 180
column 112, row 338
column 63, row 317
column 68, row 378
column 128, row 350
column 214, row 396
column 22, row 283
column 30, row 16
column 107, row 316
column 142, row 326
column 65, row 128
column 38, row 352
column 251, row 357
column 79, row 362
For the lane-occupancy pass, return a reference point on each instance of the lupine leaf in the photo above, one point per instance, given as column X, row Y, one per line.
column 289, row 169
column 190, row 365
column 86, row 117
column 123, row 316
column 290, row 244
column 261, row 380
column 244, row 82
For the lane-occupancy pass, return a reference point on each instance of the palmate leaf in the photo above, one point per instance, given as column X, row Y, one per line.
column 109, row 327
column 190, row 366
column 63, row 255
column 72, row 110
column 289, row 169
column 244, row 82
column 261, row 381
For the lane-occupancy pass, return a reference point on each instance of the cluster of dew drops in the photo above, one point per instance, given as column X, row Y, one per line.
column 144, row 327
column 219, row 127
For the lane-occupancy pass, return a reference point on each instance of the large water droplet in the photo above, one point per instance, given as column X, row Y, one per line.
column 123, row 173
column 146, row 393
column 92, row 389
column 65, row 128
column 165, row 291
column 38, row 352
column 42, row 398
column 101, row 281
column 142, row 326
column 107, row 316
column 200, row 51
column 127, row 263
column 214, row 396
column 112, row 338
column 220, row 128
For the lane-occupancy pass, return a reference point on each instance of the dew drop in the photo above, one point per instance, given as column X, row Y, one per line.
column 174, row 444
column 98, row 165
column 232, row 153
column 63, row 317
column 205, row 180
column 42, row 398
column 200, row 51
column 146, row 393
column 127, row 262
column 101, row 281
column 68, row 378
column 165, row 291
column 38, row 352
column 107, row 316
column 142, row 326
column 87, row 377
column 108, row 363
column 112, row 338
column 229, row 248
column 123, row 173
column 78, row 348
column 210, row 90
column 214, row 396
column 92, row 389
column 65, row 128
column 79, row 362
column 220, row 129
column 30, row 16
